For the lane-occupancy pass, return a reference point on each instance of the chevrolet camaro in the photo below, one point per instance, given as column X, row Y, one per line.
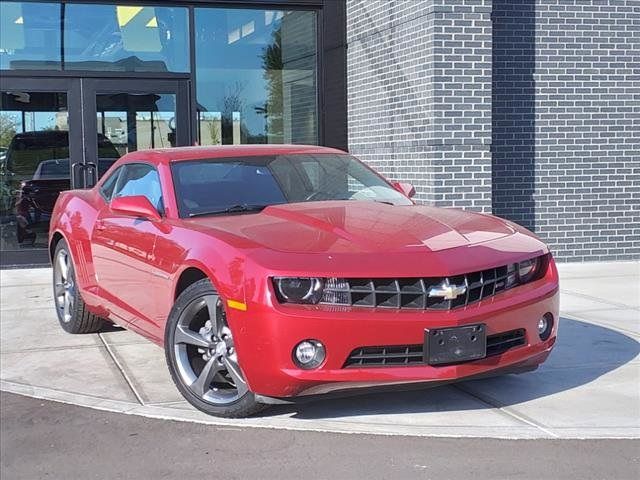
column 271, row 274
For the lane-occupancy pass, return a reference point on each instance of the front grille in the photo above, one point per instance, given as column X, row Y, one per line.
column 413, row 293
column 398, row 355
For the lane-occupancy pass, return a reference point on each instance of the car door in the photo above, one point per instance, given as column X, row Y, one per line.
column 123, row 245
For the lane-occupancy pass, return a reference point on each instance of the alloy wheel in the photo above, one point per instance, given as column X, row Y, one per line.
column 205, row 353
column 64, row 285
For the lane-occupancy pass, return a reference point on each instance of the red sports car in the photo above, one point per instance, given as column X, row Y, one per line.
column 274, row 273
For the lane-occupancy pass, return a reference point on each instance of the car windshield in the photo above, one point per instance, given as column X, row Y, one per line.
column 245, row 184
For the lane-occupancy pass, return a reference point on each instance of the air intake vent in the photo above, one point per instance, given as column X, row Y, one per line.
column 399, row 355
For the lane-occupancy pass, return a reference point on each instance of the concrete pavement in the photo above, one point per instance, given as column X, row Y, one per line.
column 589, row 388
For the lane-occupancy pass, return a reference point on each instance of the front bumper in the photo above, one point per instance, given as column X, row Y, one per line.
column 267, row 333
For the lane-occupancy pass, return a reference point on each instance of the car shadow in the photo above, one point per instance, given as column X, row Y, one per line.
column 583, row 353
column 111, row 327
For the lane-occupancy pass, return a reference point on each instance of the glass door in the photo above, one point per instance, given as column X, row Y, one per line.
column 62, row 133
column 123, row 116
column 39, row 141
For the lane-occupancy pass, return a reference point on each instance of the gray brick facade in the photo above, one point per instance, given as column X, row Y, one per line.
column 566, row 132
column 527, row 109
column 419, row 95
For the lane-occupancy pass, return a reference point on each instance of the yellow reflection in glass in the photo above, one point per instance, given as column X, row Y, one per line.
column 139, row 28
column 126, row 14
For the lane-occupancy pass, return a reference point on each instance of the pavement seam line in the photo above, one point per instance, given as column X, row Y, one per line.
column 122, row 371
column 599, row 300
column 53, row 394
column 504, row 409
column 579, row 318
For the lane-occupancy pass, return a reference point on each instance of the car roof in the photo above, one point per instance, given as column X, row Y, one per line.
column 165, row 155
column 41, row 133
column 47, row 133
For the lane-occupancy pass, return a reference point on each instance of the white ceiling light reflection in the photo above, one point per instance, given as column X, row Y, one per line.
column 234, row 36
column 248, row 28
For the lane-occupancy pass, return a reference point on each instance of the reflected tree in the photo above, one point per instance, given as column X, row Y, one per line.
column 273, row 108
column 233, row 102
column 7, row 130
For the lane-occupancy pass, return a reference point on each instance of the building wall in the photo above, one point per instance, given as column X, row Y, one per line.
column 419, row 95
column 525, row 108
column 566, row 131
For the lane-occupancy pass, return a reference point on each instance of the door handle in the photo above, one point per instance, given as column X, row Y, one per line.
column 91, row 174
column 100, row 225
column 84, row 175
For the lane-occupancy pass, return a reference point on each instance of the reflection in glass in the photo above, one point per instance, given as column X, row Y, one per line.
column 137, row 121
column 256, row 76
column 29, row 35
column 126, row 38
column 34, row 165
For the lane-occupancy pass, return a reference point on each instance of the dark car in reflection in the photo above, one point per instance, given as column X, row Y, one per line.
column 36, row 169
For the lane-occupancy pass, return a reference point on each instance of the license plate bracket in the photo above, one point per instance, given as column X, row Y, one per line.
column 455, row 344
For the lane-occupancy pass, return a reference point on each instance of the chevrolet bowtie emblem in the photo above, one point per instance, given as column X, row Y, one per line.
column 447, row 291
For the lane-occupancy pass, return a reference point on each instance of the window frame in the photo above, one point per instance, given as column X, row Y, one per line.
column 116, row 173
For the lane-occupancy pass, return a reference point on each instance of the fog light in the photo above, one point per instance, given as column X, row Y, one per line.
column 545, row 325
column 309, row 354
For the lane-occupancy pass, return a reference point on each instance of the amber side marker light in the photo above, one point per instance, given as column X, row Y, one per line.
column 237, row 305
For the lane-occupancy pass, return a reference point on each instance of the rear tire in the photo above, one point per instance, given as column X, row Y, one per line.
column 201, row 355
column 73, row 315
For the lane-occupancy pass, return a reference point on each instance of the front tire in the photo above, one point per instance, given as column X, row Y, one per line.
column 73, row 315
column 201, row 355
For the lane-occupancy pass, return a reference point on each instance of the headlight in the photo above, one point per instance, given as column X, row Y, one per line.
column 298, row 289
column 528, row 269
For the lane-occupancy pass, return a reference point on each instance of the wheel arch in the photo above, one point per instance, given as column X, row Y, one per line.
column 187, row 277
column 223, row 281
column 53, row 243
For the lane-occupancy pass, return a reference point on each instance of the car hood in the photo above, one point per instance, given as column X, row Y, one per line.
column 354, row 226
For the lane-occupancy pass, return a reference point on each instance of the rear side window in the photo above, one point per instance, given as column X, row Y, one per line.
column 110, row 184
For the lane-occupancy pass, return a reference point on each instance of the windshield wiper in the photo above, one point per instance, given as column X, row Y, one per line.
column 239, row 208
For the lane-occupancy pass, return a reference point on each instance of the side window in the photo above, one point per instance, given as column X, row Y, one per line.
column 140, row 179
column 110, row 184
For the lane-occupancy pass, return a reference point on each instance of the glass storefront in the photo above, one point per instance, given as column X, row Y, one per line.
column 256, row 76
column 126, row 38
column 30, row 36
column 136, row 121
column 255, row 69
column 34, row 165
column 224, row 75
column 88, row 37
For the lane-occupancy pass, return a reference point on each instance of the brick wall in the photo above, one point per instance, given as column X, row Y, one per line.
column 529, row 109
column 566, row 132
column 419, row 95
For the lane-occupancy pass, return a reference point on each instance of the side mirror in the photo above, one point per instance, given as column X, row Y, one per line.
column 136, row 206
column 405, row 188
